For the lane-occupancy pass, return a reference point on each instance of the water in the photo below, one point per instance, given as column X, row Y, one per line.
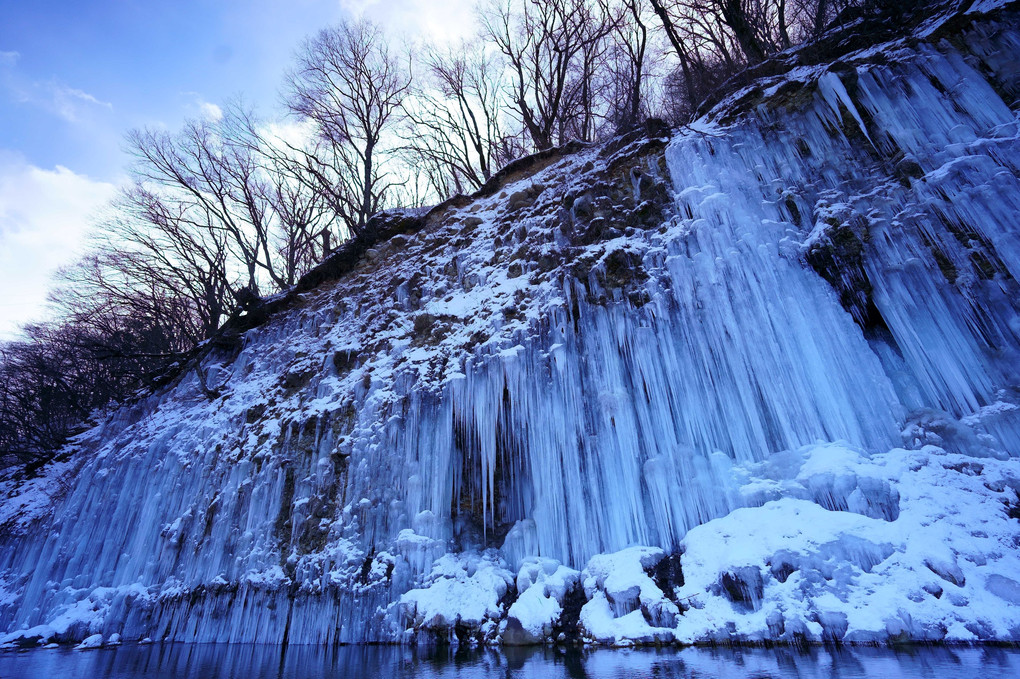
column 224, row 661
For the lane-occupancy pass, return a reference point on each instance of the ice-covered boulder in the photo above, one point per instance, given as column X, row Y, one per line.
column 542, row 588
column 460, row 600
column 625, row 606
column 90, row 642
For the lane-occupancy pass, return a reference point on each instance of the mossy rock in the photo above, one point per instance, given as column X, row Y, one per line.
column 623, row 268
column 839, row 258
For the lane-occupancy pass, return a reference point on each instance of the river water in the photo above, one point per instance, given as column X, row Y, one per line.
column 210, row 661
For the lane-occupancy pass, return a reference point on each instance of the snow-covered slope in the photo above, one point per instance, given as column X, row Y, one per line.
column 756, row 380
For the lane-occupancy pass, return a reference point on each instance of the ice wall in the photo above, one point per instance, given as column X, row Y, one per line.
column 836, row 262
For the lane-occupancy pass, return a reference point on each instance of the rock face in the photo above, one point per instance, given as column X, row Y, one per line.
column 755, row 380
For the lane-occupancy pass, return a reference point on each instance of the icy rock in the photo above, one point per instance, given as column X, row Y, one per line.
column 625, row 606
column 90, row 642
column 834, row 625
column 520, row 199
column 1005, row 588
column 929, row 574
column 463, row 590
column 216, row 377
column 945, row 566
column 32, row 636
column 743, row 585
column 542, row 586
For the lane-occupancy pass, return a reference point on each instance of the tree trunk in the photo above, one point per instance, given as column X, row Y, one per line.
column 821, row 10
column 734, row 16
column 366, row 187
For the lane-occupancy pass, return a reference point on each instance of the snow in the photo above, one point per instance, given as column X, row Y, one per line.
column 461, row 590
column 943, row 570
column 792, row 569
column 90, row 642
column 602, row 626
column 624, row 605
column 542, row 585
column 925, row 574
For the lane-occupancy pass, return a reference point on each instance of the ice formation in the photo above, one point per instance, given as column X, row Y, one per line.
column 760, row 385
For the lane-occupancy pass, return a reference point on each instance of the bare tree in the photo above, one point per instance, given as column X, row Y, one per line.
column 305, row 226
column 628, row 65
column 153, row 246
column 456, row 132
column 543, row 41
column 304, row 234
column 42, row 396
column 736, row 14
column 705, row 46
column 53, row 378
column 598, row 21
column 350, row 84
column 204, row 180
column 814, row 16
column 758, row 28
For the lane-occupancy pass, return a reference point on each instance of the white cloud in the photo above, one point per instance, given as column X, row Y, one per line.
column 447, row 21
column 290, row 132
column 70, row 103
column 196, row 105
column 72, row 93
column 44, row 216
column 210, row 112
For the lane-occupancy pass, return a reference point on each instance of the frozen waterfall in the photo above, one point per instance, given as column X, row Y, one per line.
column 839, row 263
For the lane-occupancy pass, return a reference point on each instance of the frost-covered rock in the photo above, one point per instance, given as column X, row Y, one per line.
column 625, row 605
column 38, row 635
column 90, row 642
column 461, row 597
column 542, row 587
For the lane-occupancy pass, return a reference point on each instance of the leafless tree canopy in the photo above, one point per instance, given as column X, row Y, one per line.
column 456, row 129
column 551, row 49
column 713, row 39
column 350, row 84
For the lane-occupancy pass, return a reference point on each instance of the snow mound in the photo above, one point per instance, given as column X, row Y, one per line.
column 90, row 642
column 542, row 587
column 945, row 568
column 625, row 606
column 464, row 592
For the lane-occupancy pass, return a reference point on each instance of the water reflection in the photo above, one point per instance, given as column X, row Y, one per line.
column 210, row 661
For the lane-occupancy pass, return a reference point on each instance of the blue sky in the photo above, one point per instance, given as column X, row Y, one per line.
column 76, row 75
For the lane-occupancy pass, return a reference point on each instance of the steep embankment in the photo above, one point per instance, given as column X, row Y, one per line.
column 773, row 359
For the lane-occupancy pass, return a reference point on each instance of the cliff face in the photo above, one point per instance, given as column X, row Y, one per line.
column 758, row 378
